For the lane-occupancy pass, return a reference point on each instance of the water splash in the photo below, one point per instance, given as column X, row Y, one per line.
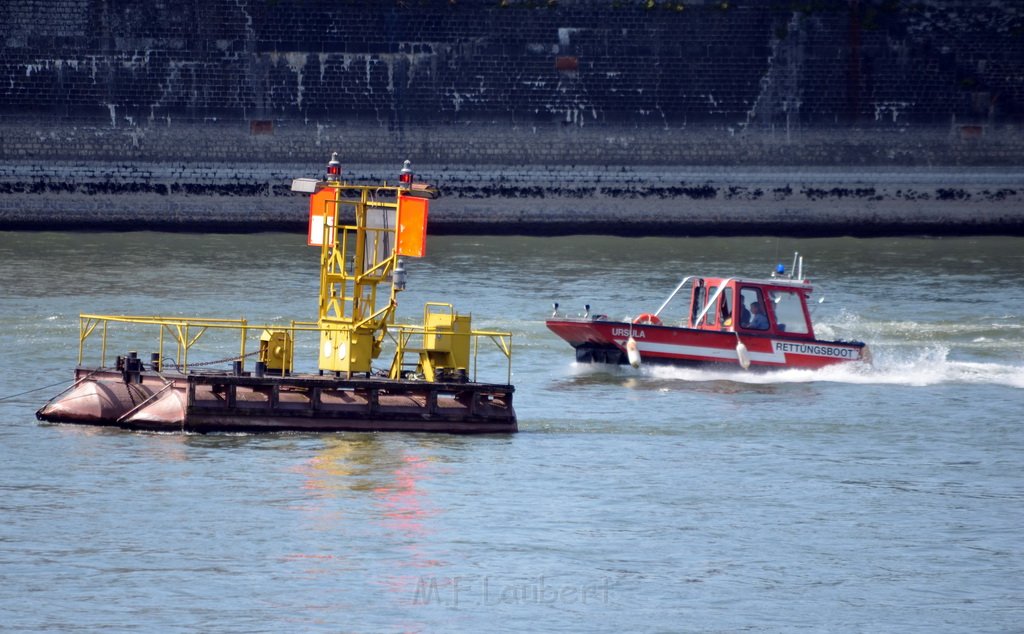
column 891, row 366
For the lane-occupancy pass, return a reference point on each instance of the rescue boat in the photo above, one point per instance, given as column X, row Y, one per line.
column 362, row 233
column 732, row 321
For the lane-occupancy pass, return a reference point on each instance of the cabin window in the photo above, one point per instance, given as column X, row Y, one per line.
column 789, row 312
column 751, row 317
column 711, row 317
column 698, row 302
column 726, row 307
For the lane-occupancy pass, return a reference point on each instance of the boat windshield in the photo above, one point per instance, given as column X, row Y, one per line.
column 789, row 311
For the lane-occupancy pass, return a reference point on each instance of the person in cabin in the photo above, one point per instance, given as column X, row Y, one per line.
column 744, row 313
column 758, row 320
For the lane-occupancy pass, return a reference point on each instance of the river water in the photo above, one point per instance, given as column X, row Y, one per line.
column 886, row 498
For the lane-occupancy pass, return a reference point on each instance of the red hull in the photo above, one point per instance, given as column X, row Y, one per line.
column 605, row 342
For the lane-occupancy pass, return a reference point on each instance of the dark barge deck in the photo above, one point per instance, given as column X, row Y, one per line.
column 205, row 402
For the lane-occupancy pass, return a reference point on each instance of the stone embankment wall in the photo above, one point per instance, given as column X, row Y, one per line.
column 534, row 200
column 533, row 116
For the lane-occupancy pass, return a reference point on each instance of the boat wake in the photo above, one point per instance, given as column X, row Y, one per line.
column 931, row 366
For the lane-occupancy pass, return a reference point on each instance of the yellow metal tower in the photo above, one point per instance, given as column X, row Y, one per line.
column 360, row 270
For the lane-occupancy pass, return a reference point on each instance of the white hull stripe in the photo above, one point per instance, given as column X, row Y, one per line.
column 777, row 355
column 812, row 349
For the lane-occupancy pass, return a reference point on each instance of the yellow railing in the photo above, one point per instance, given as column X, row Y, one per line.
column 185, row 333
column 402, row 335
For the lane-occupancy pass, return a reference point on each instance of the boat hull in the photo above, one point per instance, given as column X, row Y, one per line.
column 223, row 402
column 598, row 341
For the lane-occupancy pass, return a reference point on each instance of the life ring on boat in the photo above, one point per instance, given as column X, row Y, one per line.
column 647, row 318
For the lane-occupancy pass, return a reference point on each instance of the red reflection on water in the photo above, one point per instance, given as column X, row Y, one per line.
column 405, row 512
column 361, row 489
column 403, row 502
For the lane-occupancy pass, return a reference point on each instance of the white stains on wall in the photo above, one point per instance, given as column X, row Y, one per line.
column 296, row 62
column 249, row 31
column 153, row 116
column 136, row 61
column 780, row 86
column 565, row 37
column 456, row 99
column 322, row 58
column 891, row 109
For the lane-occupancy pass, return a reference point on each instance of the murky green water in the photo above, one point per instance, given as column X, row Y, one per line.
column 880, row 499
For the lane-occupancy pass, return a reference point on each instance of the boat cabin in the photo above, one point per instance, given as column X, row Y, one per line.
column 775, row 306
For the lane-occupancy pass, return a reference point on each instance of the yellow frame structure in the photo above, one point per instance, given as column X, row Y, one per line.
column 353, row 317
column 187, row 333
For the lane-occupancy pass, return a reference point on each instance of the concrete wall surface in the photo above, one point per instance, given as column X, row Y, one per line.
column 532, row 200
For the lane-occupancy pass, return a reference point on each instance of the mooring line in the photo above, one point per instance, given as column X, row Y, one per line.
column 45, row 387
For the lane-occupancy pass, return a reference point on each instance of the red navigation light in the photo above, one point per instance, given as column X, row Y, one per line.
column 333, row 168
column 405, row 176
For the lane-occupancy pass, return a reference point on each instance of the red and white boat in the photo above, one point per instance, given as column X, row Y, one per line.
column 760, row 323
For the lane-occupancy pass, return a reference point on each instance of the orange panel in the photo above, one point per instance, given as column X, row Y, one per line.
column 321, row 204
column 412, row 226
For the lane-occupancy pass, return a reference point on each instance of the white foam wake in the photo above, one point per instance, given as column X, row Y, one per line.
column 929, row 366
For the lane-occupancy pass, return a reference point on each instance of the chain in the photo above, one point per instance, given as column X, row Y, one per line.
column 215, row 362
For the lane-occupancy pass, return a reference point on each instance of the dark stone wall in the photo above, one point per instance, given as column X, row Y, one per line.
column 527, row 112
column 735, row 63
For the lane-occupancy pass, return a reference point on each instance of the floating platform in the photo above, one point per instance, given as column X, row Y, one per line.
column 204, row 402
column 362, row 232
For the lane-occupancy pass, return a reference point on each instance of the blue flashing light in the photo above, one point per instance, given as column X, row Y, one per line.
column 780, row 269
